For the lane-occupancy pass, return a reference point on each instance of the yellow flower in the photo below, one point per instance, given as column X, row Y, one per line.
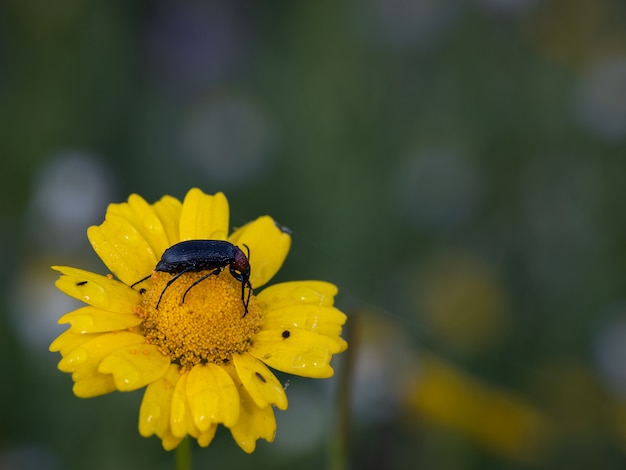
column 204, row 361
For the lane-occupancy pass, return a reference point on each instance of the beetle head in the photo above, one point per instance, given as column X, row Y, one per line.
column 241, row 265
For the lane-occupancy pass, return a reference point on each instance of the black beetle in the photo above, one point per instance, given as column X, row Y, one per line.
column 202, row 255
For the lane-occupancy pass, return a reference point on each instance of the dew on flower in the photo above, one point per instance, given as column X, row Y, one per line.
column 202, row 347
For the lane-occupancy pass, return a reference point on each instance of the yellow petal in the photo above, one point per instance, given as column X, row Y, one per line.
column 145, row 220
column 261, row 384
column 180, row 417
column 91, row 353
column 297, row 292
column 92, row 384
column 254, row 422
column 204, row 217
column 297, row 352
column 169, row 441
column 205, row 437
column 168, row 209
column 154, row 413
column 323, row 320
column 135, row 366
column 212, row 396
column 83, row 362
column 268, row 246
column 95, row 320
column 122, row 248
column 98, row 291
column 67, row 341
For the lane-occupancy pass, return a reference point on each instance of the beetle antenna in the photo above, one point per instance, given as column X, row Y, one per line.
column 244, row 284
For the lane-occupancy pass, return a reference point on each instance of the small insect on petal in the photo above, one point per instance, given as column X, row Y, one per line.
column 262, row 385
column 204, row 358
column 298, row 352
column 98, row 291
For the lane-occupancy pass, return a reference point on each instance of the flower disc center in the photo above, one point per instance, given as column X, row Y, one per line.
column 209, row 326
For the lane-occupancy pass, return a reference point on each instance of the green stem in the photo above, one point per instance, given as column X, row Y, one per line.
column 183, row 455
column 340, row 447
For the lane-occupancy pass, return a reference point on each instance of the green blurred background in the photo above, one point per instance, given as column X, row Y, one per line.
column 455, row 167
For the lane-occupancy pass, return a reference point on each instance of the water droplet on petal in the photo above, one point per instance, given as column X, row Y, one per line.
column 77, row 357
column 131, row 378
column 307, row 295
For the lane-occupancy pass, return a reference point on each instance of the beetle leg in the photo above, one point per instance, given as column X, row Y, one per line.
column 245, row 281
column 216, row 271
column 176, row 276
column 140, row 280
column 247, row 301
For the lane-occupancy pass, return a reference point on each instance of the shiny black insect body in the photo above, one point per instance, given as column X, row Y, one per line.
column 205, row 255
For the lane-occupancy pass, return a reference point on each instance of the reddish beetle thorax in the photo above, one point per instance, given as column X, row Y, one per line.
column 241, row 263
